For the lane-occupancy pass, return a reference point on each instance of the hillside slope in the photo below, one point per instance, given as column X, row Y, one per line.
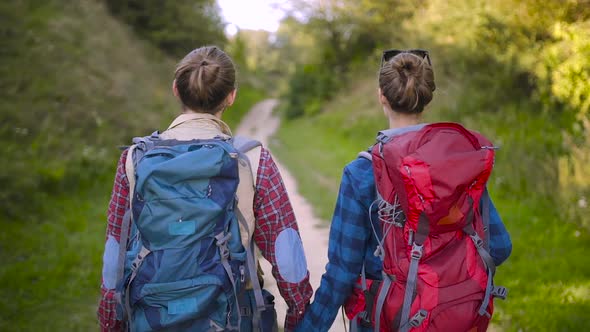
column 75, row 84
column 72, row 81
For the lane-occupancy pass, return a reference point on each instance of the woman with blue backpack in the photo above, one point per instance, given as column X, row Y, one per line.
column 190, row 209
column 415, row 239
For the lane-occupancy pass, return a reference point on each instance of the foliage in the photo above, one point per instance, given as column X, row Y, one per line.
column 308, row 86
column 318, row 43
column 564, row 72
column 176, row 27
column 574, row 178
column 247, row 96
column 67, row 81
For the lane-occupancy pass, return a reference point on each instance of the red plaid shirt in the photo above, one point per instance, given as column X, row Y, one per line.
column 273, row 214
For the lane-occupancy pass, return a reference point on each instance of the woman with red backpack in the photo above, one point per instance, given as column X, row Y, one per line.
column 415, row 238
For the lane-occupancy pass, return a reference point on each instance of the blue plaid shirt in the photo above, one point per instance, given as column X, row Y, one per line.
column 352, row 243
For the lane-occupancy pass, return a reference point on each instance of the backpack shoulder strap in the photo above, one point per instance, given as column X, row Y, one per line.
column 130, row 172
column 249, row 158
column 249, row 151
column 124, row 235
column 245, row 144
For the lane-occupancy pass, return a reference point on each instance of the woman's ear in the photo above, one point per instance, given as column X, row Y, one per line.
column 382, row 100
column 231, row 98
column 175, row 89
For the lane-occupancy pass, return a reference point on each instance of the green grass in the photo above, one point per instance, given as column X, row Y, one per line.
column 548, row 273
column 50, row 273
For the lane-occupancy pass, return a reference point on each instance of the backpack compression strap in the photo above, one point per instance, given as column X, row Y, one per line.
column 481, row 246
column 124, row 236
column 249, row 153
column 252, row 272
column 422, row 231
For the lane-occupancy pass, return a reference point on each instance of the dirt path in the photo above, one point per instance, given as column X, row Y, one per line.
column 261, row 124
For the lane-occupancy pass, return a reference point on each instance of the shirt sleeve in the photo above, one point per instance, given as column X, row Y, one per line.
column 119, row 203
column 500, row 242
column 349, row 236
column 277, row 236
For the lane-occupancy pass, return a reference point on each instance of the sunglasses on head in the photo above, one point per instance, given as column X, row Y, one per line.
column 389, row 54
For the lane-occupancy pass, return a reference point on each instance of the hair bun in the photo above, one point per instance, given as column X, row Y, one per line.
column 407, row 68
column 407, row 83
column 204, row 78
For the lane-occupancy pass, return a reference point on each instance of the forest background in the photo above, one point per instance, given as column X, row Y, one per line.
column 78, row 79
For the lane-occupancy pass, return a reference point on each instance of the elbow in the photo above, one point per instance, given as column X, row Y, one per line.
column 500, row 256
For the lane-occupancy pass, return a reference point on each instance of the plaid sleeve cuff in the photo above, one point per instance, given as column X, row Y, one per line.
column 107, row 312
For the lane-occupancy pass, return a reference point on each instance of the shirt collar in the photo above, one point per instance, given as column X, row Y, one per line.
column 199, row 120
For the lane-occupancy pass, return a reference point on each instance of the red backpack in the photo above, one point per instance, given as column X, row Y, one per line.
column 437, row 272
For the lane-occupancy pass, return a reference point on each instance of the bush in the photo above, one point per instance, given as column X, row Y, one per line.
column 176, row 27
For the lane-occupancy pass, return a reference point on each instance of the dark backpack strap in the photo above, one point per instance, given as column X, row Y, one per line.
column 122, row 253
column 252, row 273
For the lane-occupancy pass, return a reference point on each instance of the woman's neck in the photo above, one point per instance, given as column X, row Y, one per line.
column 399, row 120
column 186, row 110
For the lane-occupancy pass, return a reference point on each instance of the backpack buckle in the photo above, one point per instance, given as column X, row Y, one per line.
column 499, row 292
column 476, row 240
column 364, row 319
column 379, row 252
column 245, row 311
column 416, row 252
column 418, row 318
column 242, row 273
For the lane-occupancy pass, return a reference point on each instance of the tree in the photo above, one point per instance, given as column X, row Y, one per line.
column 174, row 26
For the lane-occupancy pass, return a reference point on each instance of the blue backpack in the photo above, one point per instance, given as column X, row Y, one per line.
column 184, row 267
